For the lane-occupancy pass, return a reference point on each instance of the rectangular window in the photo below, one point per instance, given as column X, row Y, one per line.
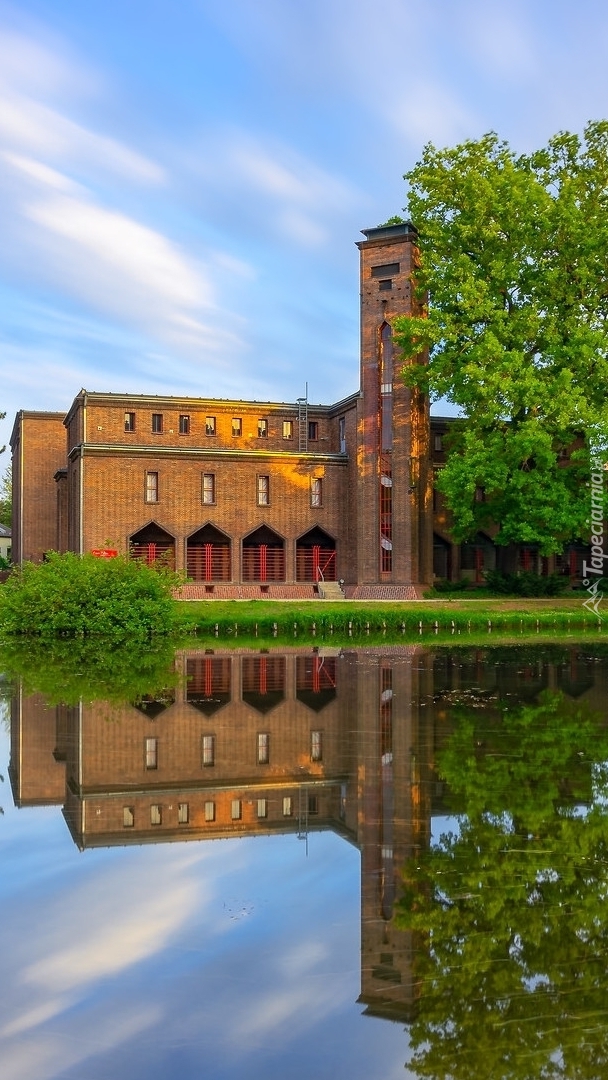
column 313, row 430
column 235, row 810
column 263, row 491
column 210, row 425
column 151, row 487
column 208, row 750
column 263, row 748
column 157, row 423
column 209, row 811
column 151, row 753
column 128, row 817
column 183, row 813
column 184, row 425
column 262, row 429
column 438, row 442
column 262, row 808
column 129, row 421
column 385, row 270
column 313, row 804
column 288, row 429
column 237, row 427
column 208, row 488
column 287, row 806
column 316, row 746
column 385, row 285
column 342, row 434
column 316, row 491
column 156, row 816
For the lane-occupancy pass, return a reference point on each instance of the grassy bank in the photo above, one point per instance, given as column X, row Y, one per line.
column 266, row 619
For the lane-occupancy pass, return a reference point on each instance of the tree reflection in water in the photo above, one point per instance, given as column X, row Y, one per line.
column 509, row 908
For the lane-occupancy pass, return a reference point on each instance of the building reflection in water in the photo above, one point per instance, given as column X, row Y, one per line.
column 259, row 743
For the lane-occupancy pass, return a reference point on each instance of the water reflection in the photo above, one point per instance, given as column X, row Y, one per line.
column 489, row 946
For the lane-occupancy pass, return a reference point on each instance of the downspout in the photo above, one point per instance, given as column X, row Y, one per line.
column 21, row 438
column 81, row 477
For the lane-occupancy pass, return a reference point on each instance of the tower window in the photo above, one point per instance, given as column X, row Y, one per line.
column 313, row 430
column 129, row 421
column 262, row 428
column 316, row 491
column 237, row 427
column 210, row 425
column 386, row 270
column 151, row 487
column 263, row 490
column 157, row 423
column 385, row 285
column 184, row 425
column 208, row 489
column 288, row 429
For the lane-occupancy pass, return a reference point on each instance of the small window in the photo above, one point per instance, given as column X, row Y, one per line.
column 210, row 425
column 151, row 487
column 438, row 442
column 208, row 750
column 480, row 494
column 151, row 753
column 263, row 748
column 342, row 434
column 156, row 814
column 183, row 813
column 209, row 811
column 313, row 430
column 386, row 285
column 288, row 429
column 208, row 489
column 316, row 491
column 316, row 746
column 385, row 270
column 287, row 806
column 263, row 491
column 313, row 804
column 129, row 421
column 262, row 808
column 184, row 425
column 237, row 427
column 262, row 429
column 157, row 423
column 235, row 810
column 128, row 817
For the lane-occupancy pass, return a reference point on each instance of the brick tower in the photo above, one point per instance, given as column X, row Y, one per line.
column 395, row 541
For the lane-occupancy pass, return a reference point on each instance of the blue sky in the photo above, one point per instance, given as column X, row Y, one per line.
column 182, row 184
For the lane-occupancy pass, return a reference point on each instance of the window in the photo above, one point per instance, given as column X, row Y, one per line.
column 342, row 434
column 151, row 487
column 184, row 425
column 385, row 285
column 208, row 488
column 128, row 817
column 263, row 748
column 480, row 494
column 183, row 813
column 386, row 270
column 262, row 429
column 208, row 750
column 157, row 423
column 209, row 811
column 438, row 442
column 151, row 753
column 288, row 429
column 316, row 746
column 316, row 491
column 156, row 816
column 129, row 421
column 313, row 804
column 263, row 491
column 287, row 806
column 262, row 808
column 313, row 430
column 210, row 425
column 237, row 426
column 235, row 810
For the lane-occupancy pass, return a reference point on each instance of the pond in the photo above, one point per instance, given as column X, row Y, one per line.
column 363, row 863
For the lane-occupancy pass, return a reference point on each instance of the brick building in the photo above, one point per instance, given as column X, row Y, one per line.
column 252, row 498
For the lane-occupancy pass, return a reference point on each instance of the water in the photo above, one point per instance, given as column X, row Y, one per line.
column 312, row 864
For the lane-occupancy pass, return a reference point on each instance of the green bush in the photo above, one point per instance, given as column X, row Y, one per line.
column 4, row 563
column 78, row 596
column 444, row 585
column 526, row 583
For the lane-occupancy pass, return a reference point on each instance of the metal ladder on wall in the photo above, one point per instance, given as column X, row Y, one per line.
column 302, row 404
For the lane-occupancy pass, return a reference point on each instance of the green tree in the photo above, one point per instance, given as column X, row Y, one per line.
column 513, row 256
column 6, row 500
column 509, row 907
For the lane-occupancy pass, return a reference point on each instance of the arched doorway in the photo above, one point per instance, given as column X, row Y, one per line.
column 153, row 545
column 208, row 554
column 263, row 556
column 316, row 556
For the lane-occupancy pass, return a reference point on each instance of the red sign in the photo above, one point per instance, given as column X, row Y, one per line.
column 104, row 553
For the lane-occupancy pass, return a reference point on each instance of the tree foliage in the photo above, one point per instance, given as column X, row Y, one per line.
column 513, row 256
column 509, row 907
column 6, row 502
column 79, row 596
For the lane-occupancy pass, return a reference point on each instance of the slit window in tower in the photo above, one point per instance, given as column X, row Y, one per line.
column 386, row 447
